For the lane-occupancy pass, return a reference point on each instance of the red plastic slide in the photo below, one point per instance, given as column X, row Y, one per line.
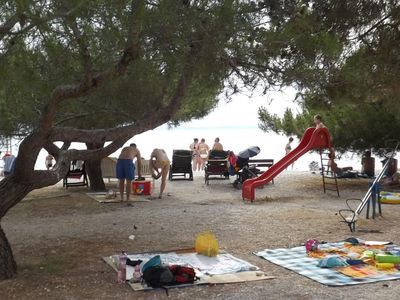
column 312, row 139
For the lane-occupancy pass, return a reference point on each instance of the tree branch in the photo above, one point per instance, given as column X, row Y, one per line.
column 8, row 25
column 6, row 28
column 83, row 50
column 373, row 27
column 130, row 53
column 149, row 121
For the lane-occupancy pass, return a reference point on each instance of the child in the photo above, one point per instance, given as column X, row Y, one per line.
column 318, row 122
column 288, row 146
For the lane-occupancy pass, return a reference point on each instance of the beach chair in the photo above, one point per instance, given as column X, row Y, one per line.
column 76, row 175
column 181, row 165
column 108, row 167
column 217, row 166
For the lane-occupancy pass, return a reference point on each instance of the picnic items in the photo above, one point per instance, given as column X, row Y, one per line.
column 331, row 262
column 206, row 244
column 374, row 253
column 155, row 273
column 311, row 245
column 349, row 262
column 188, row 268
column 111, row 194
column 121, row 274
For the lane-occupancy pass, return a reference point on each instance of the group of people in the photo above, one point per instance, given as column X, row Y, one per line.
column 125, row 168
column 200, row 151
column 159, row 161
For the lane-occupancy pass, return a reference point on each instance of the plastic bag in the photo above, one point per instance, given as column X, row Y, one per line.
column 206, row 244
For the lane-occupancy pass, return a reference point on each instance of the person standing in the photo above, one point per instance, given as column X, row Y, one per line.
column 217, row 145
column 194, row 147
column 125, row 169
column 368, row 164
column 159, row 160
column 9, row 164
column 203, row 152
column 49, row 161
column 288, row 148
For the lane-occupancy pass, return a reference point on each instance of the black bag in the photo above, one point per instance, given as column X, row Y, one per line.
column 158, row 276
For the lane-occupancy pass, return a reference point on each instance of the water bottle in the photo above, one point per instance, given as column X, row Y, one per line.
column 121, row 276
column 136, row 274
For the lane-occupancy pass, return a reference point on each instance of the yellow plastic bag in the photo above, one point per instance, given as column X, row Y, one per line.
column 206, row 244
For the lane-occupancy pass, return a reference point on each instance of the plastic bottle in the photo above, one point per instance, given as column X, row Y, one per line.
column 121, row 276
column 385, row 258
column 136, row 274
column 384, row 266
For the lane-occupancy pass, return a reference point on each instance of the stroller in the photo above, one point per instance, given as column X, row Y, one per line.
column 243, row 170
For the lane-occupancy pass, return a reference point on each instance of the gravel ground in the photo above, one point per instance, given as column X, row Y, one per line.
column 59, row 237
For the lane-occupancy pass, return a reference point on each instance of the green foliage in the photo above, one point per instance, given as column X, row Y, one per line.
column 50, row 55
column 354, row 82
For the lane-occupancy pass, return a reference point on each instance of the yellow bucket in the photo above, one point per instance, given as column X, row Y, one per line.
column 206, row 244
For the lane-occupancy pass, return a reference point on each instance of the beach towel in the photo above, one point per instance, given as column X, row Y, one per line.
column 297, row 260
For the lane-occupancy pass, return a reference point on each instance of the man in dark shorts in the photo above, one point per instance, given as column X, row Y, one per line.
column 125, row 169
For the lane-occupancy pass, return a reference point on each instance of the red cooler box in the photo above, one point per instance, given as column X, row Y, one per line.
column 141, row 187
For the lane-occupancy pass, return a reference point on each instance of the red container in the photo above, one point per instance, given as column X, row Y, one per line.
column 141, row 187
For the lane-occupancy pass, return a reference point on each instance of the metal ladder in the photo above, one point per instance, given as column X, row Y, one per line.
column 329, row 180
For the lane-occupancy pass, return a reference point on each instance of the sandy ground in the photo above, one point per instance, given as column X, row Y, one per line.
column 59, row 237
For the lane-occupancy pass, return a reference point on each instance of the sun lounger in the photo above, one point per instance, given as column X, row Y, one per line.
column 181, row 165
column 217, row 166
column 76, row 175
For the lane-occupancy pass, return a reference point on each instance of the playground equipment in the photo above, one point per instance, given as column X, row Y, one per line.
column 349, row 215
column 329, row 179
column 313, row 138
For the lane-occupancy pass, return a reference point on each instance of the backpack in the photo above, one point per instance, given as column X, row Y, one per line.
column 183, row 274
column 158, row 276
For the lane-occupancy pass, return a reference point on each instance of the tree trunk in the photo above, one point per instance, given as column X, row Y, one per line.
column 93, row 169
column 8, row 266
column 11, row 193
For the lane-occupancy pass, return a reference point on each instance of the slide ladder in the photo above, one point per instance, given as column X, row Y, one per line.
column 313, row 138
column 351, row 216
column 329, row 179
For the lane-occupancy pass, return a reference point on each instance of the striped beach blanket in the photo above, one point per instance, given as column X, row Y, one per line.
column 297, row 260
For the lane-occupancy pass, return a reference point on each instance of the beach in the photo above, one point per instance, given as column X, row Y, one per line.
column 59, row 237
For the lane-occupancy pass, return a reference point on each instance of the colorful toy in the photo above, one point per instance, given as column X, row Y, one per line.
column 311, row 245
column 390, row 198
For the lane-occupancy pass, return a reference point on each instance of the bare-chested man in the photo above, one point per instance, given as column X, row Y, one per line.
column 217, row 145
column 159, row 160
column 125, row 168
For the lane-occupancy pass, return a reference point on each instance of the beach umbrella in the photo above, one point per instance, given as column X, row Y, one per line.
column 249, row 152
